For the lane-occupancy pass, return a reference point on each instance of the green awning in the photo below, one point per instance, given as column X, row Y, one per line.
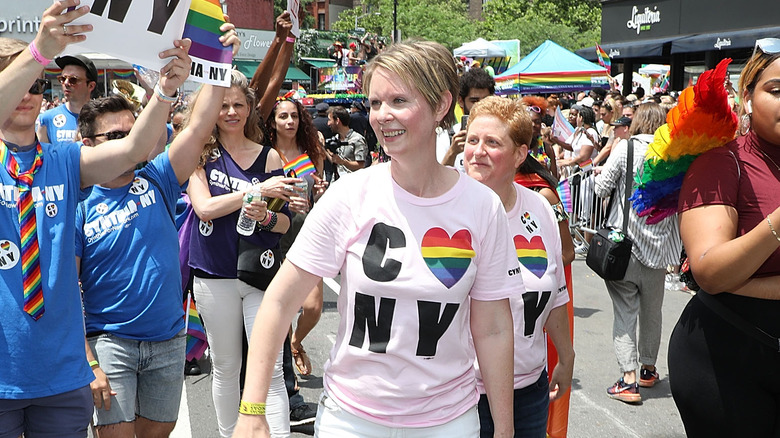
column 296, row 74
column 293, row 73
column 319, row 63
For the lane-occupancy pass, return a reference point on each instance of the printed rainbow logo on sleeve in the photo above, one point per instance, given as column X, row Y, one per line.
column 447, row 257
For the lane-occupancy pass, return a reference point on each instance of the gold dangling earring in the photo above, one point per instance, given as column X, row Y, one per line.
column 745, row 123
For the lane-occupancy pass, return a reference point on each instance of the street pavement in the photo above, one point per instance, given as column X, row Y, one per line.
column 592, row 413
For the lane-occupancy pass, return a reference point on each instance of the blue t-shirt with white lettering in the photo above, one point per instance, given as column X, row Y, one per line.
column 44, row 357
column 129, row 251
column 61, row 124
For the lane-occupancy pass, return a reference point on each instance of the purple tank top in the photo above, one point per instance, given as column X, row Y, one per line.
column 214, row 244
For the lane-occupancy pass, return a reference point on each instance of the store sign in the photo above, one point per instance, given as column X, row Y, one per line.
column 642, row 21
column 722, row 42
column 254, row 43
column 19, row 25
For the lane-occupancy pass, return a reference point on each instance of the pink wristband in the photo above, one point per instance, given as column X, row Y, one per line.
column 268, row 216
column 40, row 59
column 290, row 39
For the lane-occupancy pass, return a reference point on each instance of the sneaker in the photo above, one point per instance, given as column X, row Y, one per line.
column 624, row 392
column 647, row 378
column 191, row 368
column 581, row 249
column 302, row 414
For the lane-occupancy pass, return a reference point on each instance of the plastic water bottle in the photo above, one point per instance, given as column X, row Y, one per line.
column 245, row 225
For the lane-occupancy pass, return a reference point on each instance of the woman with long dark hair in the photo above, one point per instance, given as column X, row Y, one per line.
column 723, row 353
column 291, row 132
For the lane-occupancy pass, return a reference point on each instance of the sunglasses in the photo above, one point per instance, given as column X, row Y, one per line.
column 535, row 109
column 770, row 46
column 71, row 80
column 39, row 86
column 112, row 135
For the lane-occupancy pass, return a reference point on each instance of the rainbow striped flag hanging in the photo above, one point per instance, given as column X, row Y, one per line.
column 196, row 334
column 564, row 193
column 211, row 60
column 302, row 166
column 604, row 60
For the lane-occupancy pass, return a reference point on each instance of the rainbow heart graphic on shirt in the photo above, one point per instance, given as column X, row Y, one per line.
column 5, row 245
column 533, row 254
column 447, row 257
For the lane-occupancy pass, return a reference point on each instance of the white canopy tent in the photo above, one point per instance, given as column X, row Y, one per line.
column 480, row 48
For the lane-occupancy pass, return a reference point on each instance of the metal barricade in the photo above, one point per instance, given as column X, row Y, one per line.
column 588, row 211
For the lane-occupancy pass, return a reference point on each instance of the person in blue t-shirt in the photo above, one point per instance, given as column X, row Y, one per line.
column 78, row 79
column 127, row 250
column 44, row 383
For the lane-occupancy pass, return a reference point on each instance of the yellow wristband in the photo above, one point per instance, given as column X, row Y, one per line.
column 248, row 408
column 93, row 363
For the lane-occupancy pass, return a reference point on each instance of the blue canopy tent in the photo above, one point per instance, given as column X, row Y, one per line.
column 551, row 69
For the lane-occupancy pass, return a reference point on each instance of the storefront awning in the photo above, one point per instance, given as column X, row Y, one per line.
column 740, row 39
column 293, row 73
column 319, row 62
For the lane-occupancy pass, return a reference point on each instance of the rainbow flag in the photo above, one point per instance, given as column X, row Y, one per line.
column 586, row 165
column 202, row 27
column 604, row 60
column 302, row 166
column 564, row 193
column 196, row 334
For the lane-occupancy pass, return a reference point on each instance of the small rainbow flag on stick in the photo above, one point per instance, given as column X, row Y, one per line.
column 211, row 60
column 604, row 60
column 196, row 334
column 302, row 166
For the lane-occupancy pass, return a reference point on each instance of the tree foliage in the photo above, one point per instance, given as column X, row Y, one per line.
column 573, row 24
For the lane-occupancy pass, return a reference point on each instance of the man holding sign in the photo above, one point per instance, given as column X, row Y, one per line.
column 44, row 385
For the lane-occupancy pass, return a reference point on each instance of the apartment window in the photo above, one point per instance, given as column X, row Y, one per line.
column 321, row 21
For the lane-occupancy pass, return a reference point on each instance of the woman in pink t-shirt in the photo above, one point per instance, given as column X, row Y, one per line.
column 497, row 141
column 426, row 266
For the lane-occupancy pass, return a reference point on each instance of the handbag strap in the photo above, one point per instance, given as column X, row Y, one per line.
column 629, row 182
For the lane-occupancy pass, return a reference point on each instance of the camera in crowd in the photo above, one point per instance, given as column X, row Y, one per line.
column 333, row 144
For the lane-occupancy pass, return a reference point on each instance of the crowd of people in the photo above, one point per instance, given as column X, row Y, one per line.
column 455, row 267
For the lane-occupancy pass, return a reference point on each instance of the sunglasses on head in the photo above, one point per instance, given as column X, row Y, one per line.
column 535, row 109
column 72, row 80
column 39, row 86
column 770, row 46
column 112, row 135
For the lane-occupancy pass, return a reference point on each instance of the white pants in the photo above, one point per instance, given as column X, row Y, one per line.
column 334, row 422
column 224, row 305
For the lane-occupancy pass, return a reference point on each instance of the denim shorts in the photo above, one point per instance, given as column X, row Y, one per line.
column 63, row 415
column 146, row 376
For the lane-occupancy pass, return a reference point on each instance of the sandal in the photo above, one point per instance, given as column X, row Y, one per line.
column 301, row 359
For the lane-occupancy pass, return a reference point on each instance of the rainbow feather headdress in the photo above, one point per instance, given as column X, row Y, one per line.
column 702, row 120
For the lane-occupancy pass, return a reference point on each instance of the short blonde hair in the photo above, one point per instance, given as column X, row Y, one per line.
column 512, row 113
column 424, row 65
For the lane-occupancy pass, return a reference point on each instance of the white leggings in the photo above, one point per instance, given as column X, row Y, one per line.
column 224, row 304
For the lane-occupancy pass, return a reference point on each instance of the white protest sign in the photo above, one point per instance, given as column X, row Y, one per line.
column 135, row 31
column 294, row 6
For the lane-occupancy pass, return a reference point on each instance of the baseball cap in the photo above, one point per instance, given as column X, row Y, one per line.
column 623, row 121
column 359, row 105
column 322, row 107
column 81, row 61
column 587, row 101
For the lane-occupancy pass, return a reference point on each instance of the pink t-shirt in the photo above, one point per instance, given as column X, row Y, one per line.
column 403, row 354
column 537, row 240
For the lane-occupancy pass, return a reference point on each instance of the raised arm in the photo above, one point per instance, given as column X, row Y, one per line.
column 269, row 76
column 109, row 159
column 51, row 39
